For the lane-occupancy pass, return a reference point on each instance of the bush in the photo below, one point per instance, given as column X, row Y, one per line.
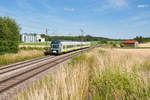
column 104, row 41
column 9, row 35
column 114, row 45
column 121, row 45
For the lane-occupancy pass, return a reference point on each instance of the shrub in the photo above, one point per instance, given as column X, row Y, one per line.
column 121, row 45
column 114, row 45
column 9, row 35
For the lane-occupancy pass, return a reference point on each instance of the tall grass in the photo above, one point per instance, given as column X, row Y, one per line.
column 20, row 56
column 68, row 83
column 107, row 74
column 116, row 77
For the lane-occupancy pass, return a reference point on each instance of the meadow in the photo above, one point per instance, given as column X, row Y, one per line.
column 145, row 44
column 36, row 45
column 99, row 74
column 22, row 55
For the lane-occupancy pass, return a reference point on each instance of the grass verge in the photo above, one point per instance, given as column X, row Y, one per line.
column 20, row 56
column 68, row 83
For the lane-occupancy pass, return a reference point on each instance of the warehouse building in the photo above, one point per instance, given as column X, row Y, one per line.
column 25, row 37
column 131, row 44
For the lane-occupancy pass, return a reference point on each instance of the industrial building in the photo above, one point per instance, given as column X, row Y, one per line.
column 30, row 37
column 131, row 44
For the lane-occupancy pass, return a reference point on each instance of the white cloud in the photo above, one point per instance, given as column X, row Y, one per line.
column 24, row 4
column 109, row 4
column 69, row 9
column 118, row 3
column 45, row 4
column 143, row 6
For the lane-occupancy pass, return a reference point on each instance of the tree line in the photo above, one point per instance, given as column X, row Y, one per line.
column 76, row 38
column 141, row 39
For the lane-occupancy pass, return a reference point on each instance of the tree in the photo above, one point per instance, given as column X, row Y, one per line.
column 9, row 35
column 139, row 39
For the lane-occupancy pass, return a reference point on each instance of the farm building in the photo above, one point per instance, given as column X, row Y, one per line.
column 130, row 44
column 25, row 37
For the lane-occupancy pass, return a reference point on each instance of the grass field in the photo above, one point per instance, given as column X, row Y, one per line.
column 36, row 45
column 107, row 74
column 40, row 43
column 144, row 44
column 114, row 42
column 20, row 56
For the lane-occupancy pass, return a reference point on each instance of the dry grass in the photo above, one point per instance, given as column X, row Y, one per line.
column 119, row 75
column 20, row 56
column 144, row 44
column 109, row 74
column 68, row 83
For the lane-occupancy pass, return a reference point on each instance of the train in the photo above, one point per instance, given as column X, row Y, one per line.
column 59, row 47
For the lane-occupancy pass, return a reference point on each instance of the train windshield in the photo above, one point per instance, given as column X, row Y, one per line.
column 54, row 46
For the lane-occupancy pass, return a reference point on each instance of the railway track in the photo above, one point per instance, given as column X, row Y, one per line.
column 12, row 67
column 14, row 74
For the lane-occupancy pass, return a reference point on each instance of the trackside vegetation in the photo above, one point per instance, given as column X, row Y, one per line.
column 9, row 35
column 100, row 74
column 22, row 55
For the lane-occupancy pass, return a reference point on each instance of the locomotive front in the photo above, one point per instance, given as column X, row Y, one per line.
column 55, row 47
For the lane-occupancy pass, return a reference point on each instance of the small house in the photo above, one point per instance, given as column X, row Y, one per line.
column 131, row 44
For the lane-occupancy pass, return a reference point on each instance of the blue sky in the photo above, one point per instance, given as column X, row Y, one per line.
column 105, row 18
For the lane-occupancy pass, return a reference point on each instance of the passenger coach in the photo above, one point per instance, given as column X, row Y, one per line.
column 58, row 47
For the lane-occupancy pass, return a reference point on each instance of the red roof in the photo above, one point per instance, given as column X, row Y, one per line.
column 129, row 41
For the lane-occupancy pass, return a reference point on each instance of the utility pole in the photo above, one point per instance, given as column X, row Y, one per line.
column 82, row 38
column 46, row 36
column 82, row 35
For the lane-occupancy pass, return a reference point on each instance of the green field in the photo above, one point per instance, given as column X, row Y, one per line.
column 114, row 42
column 40, row 43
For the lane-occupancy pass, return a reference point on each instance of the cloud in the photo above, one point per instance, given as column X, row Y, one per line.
column 45, row 4
column 143, row 6
column 109, row 4
column 69, row 9
column 117, row 3
column 24, row 4
column 139, row 17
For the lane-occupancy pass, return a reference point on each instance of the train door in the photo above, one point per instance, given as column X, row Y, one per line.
column 66, row 48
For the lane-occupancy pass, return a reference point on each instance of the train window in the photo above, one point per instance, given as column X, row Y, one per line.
column 55, row 46
column 70, row 46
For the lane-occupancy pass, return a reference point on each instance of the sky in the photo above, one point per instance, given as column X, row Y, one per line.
column 104, row 18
